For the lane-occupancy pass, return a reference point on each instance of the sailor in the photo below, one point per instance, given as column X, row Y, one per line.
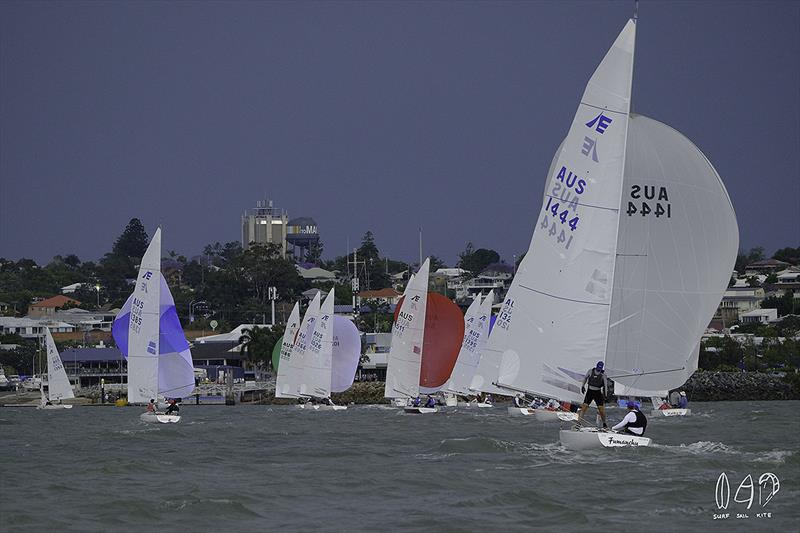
column 415, row 402
column 151, row 407
column 595, row 378
column 518, row 400
column 553, row 405
column 488, row 399
column 683, row 401
column 634, row 422
column 172, row 408
column 430, row 402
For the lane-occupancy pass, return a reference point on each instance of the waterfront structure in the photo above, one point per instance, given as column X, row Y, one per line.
column 265, row 225
column 32, row 328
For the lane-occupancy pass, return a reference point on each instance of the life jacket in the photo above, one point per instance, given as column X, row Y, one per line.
column 596, row 380
column 641, row 421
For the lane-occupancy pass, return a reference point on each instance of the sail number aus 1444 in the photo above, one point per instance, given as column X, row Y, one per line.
column 638, row 202
column 562, row 215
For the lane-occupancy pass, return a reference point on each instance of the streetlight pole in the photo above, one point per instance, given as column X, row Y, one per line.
column 97, row 287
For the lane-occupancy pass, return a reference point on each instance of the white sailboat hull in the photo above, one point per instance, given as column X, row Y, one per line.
column 594, row 439
column 520, row 411
column 671, row 412
column 154, row 418
column 54, row 406
column 420, row 410
column 475, row 404
column 399, row 402
column 332, row 407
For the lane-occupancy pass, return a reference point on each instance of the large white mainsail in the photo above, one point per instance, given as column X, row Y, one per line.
column 287, row 343
column 678, row 240
column 405, row 353
column 316, row 379
column 293, row 376
column 554, row 321
column 143, row 328
column 476, row 333
column 58, row 385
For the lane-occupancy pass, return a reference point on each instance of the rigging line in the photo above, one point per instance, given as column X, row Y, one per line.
column 647, row 373
column 561, row 297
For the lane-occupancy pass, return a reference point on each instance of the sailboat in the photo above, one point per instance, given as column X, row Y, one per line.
column 405, row 354
column 476, row 333
column 148, row 332
column 58, row 386
column 630, row 256
column 305, row 368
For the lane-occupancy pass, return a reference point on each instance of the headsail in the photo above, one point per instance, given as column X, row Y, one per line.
column 405, row 353
column 565, row 280
column 58, row 385
column 283, row 348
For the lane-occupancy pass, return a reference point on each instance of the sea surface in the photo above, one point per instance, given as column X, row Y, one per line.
column 373, row 468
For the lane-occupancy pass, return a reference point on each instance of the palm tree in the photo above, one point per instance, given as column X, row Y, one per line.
column 256, row 346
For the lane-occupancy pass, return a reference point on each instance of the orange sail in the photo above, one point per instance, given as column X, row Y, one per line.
column 444, row 331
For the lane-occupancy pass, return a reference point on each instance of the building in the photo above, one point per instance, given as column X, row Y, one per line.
column 760, row 316
column 48, row 307
column 316, row 274
column 265, row 225
column 767, row 266
column 32, row 328
column 387, row 296
column 737, row 301
column 496, row 277
column 376, row 348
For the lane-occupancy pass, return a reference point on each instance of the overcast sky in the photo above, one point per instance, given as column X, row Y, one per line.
column 374, row 116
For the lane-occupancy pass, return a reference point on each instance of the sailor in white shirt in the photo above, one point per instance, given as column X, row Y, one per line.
column 634, row 422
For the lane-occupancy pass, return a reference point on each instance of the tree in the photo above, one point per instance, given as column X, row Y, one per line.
column 133, row 241
column 789, row 255
column 314, row 254
column 436, row 263
column 474, row 261
column 257, row 344
column 784, row 304
column 368, row 250
column 742, row 259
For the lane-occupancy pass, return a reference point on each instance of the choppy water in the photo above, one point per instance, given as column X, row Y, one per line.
column 262, row 468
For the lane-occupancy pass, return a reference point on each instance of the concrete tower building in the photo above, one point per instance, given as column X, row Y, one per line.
column 265, row 225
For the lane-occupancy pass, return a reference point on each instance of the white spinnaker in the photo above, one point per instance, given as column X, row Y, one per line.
column 317, row 369
column 470, row 355
column 287, row 343
column 58, row 386
column 554, row 322
column 291, row 387
column 143, row 328
column 405, row 353
column 678, row 240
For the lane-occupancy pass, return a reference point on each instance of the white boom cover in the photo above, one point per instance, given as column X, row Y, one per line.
column 58, row 386
column 143, row 328
column 317, row 369
column 678, row 240
column 554, row 322
column 287, row 343
column 405, row 353
column 293, row 378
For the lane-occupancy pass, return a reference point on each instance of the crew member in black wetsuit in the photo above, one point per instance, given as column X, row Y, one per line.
column 595, row 379
column 634, row 422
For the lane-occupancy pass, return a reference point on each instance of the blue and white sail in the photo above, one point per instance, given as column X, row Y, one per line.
column 149, row 334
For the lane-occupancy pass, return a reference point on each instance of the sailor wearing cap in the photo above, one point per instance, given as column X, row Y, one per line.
column 634, row 422
column 595, row 378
